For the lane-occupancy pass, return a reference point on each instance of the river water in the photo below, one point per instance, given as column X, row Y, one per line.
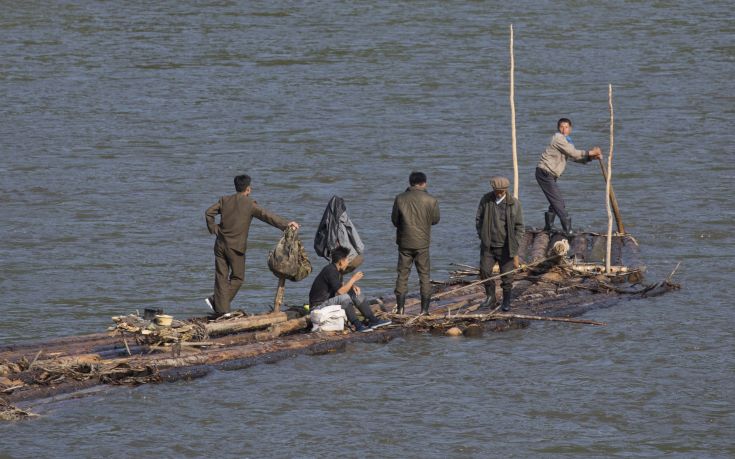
column 123, row 121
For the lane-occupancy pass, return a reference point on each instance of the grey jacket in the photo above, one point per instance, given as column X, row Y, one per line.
column 513, row 221
column 554, row 158
column 414, row 212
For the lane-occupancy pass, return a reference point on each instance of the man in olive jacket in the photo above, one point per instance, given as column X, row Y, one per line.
column 414, row 212
column 236, row 212
column 499, row 224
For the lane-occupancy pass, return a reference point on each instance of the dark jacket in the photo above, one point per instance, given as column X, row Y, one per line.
column 414, row 211
column 337, row 230
column 513, row 221
column 237, row 211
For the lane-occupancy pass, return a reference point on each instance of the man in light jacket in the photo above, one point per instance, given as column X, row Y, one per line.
column 499, row 224
column 551, row 166
column 414, row 213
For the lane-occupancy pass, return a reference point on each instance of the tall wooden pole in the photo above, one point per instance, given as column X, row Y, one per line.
column 513, row 116
column 613, row 200
column 609, row 180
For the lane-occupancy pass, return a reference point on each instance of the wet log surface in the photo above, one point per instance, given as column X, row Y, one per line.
column 34, row 372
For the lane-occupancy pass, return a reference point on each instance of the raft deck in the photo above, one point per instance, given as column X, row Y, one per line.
column 33, row 373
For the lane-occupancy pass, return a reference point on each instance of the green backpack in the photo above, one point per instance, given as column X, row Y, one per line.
column 289, row 258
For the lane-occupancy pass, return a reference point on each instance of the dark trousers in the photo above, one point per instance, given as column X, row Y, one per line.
column 229, row 273
column 551, row 190
column 422, row 260
column 488, row 258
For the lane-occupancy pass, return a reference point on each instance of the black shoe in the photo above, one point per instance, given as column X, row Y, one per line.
column 506, row 301
column 489, row 302
column 400, row 303
column 359, row 327
column 566, row 225
column 377, row 323
column 210, row 302
column 425, row 301
column 549, row 220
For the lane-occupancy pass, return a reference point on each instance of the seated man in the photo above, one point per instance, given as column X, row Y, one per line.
column 328, row 289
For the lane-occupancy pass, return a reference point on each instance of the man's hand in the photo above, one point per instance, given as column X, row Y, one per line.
column 595, row 153
column 294, row 225
column 356, row 289
column 357, row 276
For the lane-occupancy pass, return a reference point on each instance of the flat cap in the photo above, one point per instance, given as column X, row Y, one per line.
column 499, row 183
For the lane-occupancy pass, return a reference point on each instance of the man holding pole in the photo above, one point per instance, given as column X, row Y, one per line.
column 551, row 166
column 499, row 224
column 236, row 212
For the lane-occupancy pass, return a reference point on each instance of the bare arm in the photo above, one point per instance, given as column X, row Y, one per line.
column 347, row 286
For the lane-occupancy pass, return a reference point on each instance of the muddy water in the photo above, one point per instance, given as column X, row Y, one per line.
column 122, row 123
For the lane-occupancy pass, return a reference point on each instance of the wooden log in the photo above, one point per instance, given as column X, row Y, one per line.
column 282, row 328
column 540, row 246
column 525, row 246
column 579, row 249
column 248, row 323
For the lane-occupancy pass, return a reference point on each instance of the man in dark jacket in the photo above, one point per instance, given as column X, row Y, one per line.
column 329, row 288
column 236, row 212
column 414, row 212
column 499, row 224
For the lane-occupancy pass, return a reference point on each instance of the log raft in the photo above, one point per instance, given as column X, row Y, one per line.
column 34, row 372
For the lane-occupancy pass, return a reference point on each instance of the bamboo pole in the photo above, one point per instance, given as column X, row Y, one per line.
column 483, row 281
column 513, row 116
column 609, row 180
column 613, row 199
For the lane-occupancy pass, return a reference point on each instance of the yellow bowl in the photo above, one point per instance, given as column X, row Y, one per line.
column 164, row 320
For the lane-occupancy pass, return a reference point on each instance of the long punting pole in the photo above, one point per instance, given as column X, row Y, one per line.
column 609, row 179
column 613, row 199
column 513, row 116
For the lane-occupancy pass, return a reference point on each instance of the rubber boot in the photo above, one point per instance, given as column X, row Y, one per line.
column 400, row 303
column 425, row 301
column 506, row 300
column 549, row 220
column 566, row 224
column 490, row 301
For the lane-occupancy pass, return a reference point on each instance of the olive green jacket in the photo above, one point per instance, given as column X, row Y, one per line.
column 236, row 212
column 414, row 212
column 486, row 212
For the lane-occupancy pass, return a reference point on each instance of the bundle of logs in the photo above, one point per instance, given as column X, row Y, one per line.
column 137, row 351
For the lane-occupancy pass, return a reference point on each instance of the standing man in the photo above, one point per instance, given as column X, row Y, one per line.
column 499, row 224
column 414, row 212
column 236, row 212
column 551, row 166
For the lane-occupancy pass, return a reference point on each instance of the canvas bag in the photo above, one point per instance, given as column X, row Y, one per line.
column 328, row 318
column 288, row 259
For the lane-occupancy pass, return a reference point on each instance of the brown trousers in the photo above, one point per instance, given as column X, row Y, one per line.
column 229, row 273
column 488, row 258
column 408, row 257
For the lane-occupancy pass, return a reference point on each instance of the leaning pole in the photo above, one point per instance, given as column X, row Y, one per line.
column 609, row 180
column 513, row 117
